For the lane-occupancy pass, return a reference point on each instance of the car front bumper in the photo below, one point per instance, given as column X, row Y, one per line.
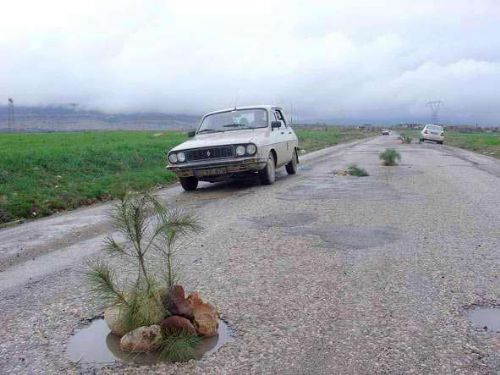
column 217, row 168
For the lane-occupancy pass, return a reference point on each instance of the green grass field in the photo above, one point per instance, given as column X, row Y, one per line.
column 318, row 138
column 43, row 173
column 484, row 143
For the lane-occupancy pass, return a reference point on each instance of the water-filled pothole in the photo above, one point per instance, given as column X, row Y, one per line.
column 96, row 345
column 485, row 318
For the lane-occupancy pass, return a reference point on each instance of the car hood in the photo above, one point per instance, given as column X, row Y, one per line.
column 219, row 139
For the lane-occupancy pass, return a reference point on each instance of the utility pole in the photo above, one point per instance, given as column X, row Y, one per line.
column 11, row 122
column 434, row 105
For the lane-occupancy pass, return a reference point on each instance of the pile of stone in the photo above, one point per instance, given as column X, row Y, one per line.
column 190, row 315
column 341, row 173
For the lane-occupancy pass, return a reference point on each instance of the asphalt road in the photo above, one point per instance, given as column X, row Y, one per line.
column 316, row 274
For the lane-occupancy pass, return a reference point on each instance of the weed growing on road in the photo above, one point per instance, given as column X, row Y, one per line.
column 390, row 157
column 405, row 138
column 149, row 229
column 354, row 170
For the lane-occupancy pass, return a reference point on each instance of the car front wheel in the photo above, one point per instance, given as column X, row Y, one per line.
column 268, row 174
column 291, row 167
column 189, row 183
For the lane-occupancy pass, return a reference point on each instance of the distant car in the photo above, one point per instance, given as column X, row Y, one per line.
column 386, row 132
column 235, row 142
column 433, row 133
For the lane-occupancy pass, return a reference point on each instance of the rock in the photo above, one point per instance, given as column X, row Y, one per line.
column 205, row 316
column 175, row 302
column 113, row 318
column 142, row 339
column 177, row 324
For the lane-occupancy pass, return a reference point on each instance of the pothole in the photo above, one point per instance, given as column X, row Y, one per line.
column 283, row 221
column 345, row 188
column 485, row 318
column 351, row 237
column 96, row 345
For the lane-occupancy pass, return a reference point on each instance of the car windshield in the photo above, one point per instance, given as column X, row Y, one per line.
column 234, row 120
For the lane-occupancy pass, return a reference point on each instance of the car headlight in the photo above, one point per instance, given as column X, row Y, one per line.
column 240, row 150
column 251, row 149
column 172, row 158
column 181, row 157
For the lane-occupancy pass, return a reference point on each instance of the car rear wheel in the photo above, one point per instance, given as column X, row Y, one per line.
column 268, row 174
column 291, row 167
column 189, row 183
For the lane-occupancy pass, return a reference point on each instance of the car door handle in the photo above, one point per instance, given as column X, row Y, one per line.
column 282, row 132
column 289, row 132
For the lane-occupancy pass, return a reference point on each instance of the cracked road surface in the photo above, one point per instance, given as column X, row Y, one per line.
column 316, row 274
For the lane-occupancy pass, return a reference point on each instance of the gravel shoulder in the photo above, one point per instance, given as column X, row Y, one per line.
column 316, row 274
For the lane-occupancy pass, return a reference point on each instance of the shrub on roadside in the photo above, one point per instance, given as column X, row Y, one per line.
column 390, row 157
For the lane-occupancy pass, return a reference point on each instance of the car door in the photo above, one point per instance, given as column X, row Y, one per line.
column 289, row 137
column 280, row 138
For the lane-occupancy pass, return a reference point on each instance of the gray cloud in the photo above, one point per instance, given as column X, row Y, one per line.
column 377, row 60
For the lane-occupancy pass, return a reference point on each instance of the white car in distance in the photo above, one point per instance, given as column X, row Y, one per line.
column 433, row 133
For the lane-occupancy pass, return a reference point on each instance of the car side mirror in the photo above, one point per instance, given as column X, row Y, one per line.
column 275, row 124
column 191, row 133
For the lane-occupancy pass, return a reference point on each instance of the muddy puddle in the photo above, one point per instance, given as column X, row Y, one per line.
column 485, row 318
column 95, row 345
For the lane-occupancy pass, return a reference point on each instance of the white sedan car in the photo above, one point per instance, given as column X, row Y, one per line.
column 433, row 133
column 236, row 142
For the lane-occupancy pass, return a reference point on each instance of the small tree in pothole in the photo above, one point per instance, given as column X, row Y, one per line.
column 354, row 170
column 390, row 157
column 150, row 231
column 405, row 138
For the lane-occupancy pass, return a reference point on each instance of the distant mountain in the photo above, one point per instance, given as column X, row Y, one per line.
column 69, row 118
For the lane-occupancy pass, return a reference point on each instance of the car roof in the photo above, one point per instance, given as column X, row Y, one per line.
column 426, row 125
column 262, row 106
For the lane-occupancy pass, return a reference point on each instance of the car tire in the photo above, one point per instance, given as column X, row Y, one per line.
column 189, row 183
column 291, row 167
column 268, row 174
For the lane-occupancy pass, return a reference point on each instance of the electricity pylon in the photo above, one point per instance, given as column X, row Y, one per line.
column 434, row 105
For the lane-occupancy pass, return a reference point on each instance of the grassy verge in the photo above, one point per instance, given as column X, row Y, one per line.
column 317, row 138
column 43, row 173
column 483, row 143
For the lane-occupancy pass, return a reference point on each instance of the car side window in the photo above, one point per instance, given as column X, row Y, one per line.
column 279, row 117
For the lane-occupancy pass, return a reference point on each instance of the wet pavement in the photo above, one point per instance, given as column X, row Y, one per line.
column 397, row 272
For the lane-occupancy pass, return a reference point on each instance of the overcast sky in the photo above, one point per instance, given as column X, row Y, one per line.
column 345, row 60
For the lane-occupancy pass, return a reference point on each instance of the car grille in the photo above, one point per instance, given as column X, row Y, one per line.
column 210, row 153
